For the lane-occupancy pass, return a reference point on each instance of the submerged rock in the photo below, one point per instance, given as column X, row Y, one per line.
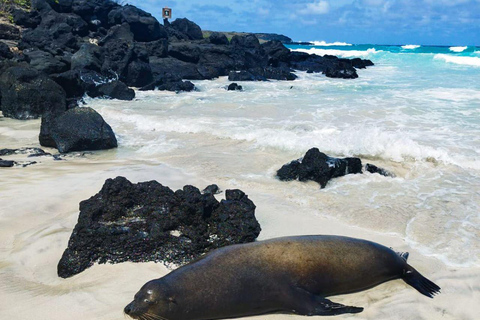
column 234, row 87
column 32, row 152
column 374, row 169
column 317, row 166
column 6, row 163
column 150, row 222
column 113, row 90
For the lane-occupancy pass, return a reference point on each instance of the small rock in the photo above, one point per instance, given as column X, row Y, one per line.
column 234, row 86
column 319, row 167
column 212, row 189
column 374, row 169
column 6, row 163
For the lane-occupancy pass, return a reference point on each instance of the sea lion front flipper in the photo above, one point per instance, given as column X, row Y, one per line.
column 326, row 307
column 305, row 303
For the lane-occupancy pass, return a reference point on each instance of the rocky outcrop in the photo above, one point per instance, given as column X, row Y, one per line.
column 150, row 222
column 317, row 166
column 45, row 62
column 77, row 129
column 69, row 48
column 27, row 94
column 144, row 27
column 186, row 28
column 5, row 52
column 9, row 32
column 88, row 57
column 218, row 38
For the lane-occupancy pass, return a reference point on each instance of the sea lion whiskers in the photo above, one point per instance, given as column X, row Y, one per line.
column 152, row 316
column 155, row 316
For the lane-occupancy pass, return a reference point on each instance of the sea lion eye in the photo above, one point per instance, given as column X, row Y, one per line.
column 146, row 300
column 149, row 291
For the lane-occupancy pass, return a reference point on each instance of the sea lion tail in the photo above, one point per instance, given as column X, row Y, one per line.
column 419, row 282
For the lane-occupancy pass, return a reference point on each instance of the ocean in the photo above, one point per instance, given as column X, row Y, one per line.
column 416, row 113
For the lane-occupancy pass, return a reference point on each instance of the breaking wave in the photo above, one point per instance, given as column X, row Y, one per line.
column 329, row 44
column 457, row 49
column 468, row 61
column 340, row 53
column 411, row 46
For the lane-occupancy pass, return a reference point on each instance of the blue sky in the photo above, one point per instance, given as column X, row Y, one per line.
column 440, row 22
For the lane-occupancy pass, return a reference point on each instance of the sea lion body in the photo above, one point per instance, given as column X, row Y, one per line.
column 290, row 274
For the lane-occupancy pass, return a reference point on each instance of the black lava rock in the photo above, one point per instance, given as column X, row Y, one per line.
column 6, row 163
column 77, row 129
column 318, row 167
column 113, row 90
column 45, row 62
column 9, row 32
column 188, row 28
column 218, row 38
column 150, row 222
column 32, row 152
column 26, row 19
column 145, row 28
column 27, row 94
column 169, row 82
column 234, row 86
column 5, row 52
column 374, row 169
column 89, row 57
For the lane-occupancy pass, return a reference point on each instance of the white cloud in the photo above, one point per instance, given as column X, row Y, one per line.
column 316, row 7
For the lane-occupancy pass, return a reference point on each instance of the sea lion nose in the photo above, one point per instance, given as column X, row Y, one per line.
column 128, row 308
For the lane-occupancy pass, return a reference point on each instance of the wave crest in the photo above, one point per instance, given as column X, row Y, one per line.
column 329, row 44
column 411, row 46
column 457, row 49
column 468, row 61
column 340, row 53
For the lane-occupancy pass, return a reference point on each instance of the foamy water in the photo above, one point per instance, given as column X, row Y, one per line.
column 413, row 113
column 339, row 52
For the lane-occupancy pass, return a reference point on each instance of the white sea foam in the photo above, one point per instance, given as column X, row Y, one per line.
column 468, row 61
column 411, row 46
column 355, row 140
column 329, row 44
column 340, row 53
column 458, row 49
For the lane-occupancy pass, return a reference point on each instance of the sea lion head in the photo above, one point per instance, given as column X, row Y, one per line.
column 152, row 301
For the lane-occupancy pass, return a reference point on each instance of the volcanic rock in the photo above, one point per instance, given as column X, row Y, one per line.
column 318, row 167
column 77, row 129
column 188, row 28
column 150, row 222
column 234, row 87
column 27, row 94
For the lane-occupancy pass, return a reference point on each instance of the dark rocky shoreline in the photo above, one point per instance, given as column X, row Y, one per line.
column 68, row 48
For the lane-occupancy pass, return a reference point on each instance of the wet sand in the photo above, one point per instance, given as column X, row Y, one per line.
column 39, row 208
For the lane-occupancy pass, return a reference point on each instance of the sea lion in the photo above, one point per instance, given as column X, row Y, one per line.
column 290, row 274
